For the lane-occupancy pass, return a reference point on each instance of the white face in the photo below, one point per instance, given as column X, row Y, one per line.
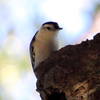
column 47, row 33
column 49, row 28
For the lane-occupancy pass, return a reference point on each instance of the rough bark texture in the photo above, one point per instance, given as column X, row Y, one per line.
column 72, row 73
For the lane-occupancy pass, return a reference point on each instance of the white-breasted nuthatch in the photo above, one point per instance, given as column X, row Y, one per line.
column 43, row 43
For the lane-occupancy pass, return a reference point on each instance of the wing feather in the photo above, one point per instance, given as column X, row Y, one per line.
column 32, row 53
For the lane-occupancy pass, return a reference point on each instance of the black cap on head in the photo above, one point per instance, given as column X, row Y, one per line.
column 56, row 26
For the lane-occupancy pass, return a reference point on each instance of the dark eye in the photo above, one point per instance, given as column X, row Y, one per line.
column 49, row 28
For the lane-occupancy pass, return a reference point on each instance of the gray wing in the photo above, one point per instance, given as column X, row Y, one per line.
column 32, row 53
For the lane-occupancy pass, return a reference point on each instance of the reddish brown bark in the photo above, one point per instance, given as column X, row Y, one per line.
column 72, row 73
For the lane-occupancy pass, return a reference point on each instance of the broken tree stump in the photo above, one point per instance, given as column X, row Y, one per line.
column 72, row 73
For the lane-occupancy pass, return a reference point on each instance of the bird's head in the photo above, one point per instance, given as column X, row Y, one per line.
column 48, row 31
column 50, row 27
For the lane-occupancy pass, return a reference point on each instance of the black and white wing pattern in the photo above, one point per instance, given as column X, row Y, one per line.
column 32, row 53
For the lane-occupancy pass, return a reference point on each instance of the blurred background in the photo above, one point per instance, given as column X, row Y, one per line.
column 20, row 19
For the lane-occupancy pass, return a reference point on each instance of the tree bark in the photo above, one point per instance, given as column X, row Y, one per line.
column 72, row 73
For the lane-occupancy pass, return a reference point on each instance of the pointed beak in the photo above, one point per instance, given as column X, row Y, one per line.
column 60, row 28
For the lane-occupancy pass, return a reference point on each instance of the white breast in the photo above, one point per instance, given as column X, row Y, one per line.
column 43, row 47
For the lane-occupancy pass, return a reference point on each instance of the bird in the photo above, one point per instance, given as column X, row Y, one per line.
column 43, row 43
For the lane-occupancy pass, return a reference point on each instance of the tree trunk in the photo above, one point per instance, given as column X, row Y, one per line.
column 72, row 73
